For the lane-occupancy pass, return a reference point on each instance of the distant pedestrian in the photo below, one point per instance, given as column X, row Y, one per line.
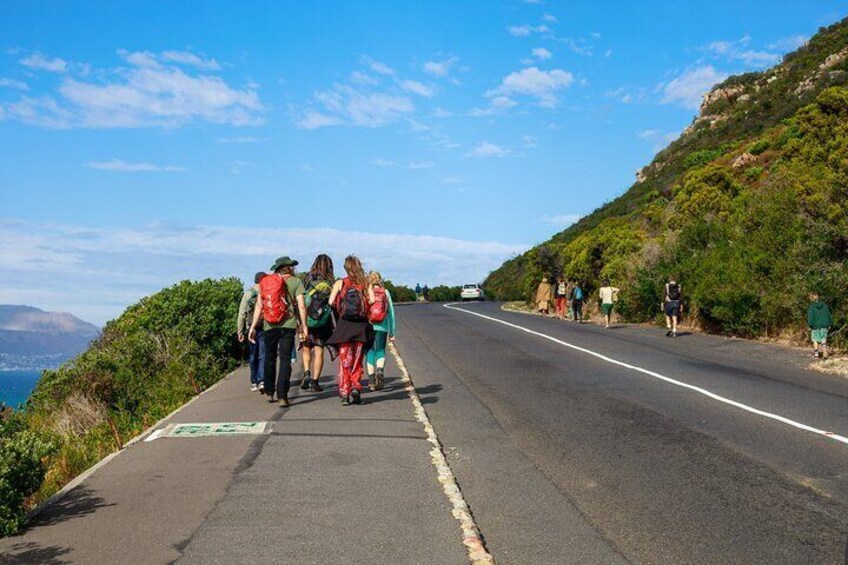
column 319, row 320
column 351, row 297
column 381, row 314
column 256, row 351
column 282, row 310
column 609, row 296
column 417, row 290
column 672, row 305
column 426, row 292
column 578, row 297
column 819, row 320
column 561, row 295
column 544, row 295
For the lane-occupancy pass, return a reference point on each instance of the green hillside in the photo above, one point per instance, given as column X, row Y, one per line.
column 747, row 208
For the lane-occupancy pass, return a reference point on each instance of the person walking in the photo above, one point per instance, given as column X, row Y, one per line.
column 417, row 291
column 544, row 295
column 578, row 296
column 256, row 351
column 819, row 320
column 282, row 311
column 561, row 297
column 609, row 296
column 382, row 318
column 351, row 296
column 319, row 320
column 672, row 302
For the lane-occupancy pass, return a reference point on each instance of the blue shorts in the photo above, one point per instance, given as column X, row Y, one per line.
column 672, row 308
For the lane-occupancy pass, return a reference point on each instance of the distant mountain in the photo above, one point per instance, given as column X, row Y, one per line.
column 31, row 338
column 748, row 208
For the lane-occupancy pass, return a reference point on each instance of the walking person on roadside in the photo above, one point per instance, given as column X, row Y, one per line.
column 381, row 314
column 672, row 305
column 282, row 312
column 319, row 320
column 561, row 294
column 544, row 295
column 578, row 297
column 256, row 351
column 609, row 296
column 819, row 320
column 351, row 297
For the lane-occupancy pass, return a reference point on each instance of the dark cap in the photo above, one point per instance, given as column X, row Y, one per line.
column 281, row 262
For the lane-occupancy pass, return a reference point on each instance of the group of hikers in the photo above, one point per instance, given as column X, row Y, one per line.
column 351, row 317
column 569, row 297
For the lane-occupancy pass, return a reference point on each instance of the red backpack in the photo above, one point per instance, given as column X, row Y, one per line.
column 378, row 311
column 273, row 293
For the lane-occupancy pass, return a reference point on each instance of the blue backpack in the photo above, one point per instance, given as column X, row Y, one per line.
column 578, row 293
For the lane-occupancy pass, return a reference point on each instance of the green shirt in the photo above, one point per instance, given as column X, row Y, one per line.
column 295, row 288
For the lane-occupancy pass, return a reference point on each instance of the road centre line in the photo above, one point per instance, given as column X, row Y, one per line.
column 699, row 390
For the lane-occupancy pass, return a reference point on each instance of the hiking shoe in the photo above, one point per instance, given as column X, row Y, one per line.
column 355, row 397
column 673, row 334
column 261, row 387
column 306, row 381
column 372, row 382
column 381, row 379
column 316, row 387
column 345, row 401
column 668, row 333
column 253, row 387
column 284, row 402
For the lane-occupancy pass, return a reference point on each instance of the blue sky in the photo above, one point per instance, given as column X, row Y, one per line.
column 145, row 142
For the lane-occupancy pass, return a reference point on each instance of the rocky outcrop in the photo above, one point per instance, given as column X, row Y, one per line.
column 832, row 60
column 743, row 160
column 728, row 93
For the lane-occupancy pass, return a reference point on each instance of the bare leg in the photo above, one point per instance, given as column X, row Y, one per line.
column 317, row 362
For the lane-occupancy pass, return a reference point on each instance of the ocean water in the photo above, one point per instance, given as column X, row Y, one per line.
column 15, row 386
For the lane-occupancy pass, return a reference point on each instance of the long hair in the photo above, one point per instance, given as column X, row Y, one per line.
column 375, row 278
column 353, row 268
column 322, row 268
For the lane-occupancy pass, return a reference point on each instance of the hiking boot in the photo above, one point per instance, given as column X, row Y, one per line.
column 345, row 401
column 316, row 387
column 381, row 379
column 372, row 382
column 284, row 402
column 355, row 397
column 306, row 381
column 668, row 333
column 673, row 334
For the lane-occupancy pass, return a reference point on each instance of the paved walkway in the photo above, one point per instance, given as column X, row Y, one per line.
column 327, row 484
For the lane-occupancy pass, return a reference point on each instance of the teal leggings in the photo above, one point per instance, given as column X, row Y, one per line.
column 376, row 356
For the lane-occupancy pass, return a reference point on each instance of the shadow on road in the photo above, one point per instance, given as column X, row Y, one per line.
column 79, row 502
column 29, row 553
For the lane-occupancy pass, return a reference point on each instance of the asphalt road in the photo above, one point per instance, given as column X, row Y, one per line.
column 553, row 446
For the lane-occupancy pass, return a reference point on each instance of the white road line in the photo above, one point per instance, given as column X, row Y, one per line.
column 699, row 390
column 475, row 548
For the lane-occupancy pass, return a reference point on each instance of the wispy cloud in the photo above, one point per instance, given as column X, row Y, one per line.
column 40, row 62
column 106, row 269
column 347, row 105
column 550, row 18
column 739, row 50
column 377, row 66
column 452, row 179
column 411, row 165
column 119, row 166
column 417, row 88
column 544, row 86
column 241, row 139
column 526, row 30
column 486, row 150
column 441, row 68
column 150, row 93
column 191, row 59
column 688, row 89
column 561, row 220
column 789, row 43
column 542, row 54
column 15, row 84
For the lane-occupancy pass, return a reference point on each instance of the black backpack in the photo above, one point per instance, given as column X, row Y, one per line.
column 673, row 291
column 352, row 305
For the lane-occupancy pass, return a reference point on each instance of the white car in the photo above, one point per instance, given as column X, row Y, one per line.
column 472, row 292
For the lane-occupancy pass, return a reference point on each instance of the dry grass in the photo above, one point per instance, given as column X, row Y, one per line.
column 834, row 366
column 77, row 415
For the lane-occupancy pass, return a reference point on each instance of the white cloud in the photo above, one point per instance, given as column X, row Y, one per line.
column 542, row 54
column 104, row 270
column 440, row 68
column 738, row 51
column 486, row 150
column 530, row 141
column 442, row 113
column 189, row 58
column 688, row 88
column 344, row 104
column 562, row 220
column 790, row 43
column 411, row 165
column 242, row 139
column 452, row 179
column 542, row 85
column 358, row 77
column 416, row 165
column 527, row 29
column 550, row 18
column 384, row 163
column 497, row 104
column 417, row 88
column 119, row 166
column 377, row 66
column 147, row 94
column 15, row 84
column 40, row 62
column 607, row 53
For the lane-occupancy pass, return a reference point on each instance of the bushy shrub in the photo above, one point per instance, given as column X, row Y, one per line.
column 400, row 293
column 444, row 293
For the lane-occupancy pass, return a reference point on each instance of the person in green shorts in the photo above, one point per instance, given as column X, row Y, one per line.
column 609, row 295
column 819, row 320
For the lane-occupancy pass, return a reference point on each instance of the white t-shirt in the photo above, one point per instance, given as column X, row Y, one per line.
column 607, row 293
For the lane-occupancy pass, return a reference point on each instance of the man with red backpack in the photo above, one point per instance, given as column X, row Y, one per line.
column 283, row 312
